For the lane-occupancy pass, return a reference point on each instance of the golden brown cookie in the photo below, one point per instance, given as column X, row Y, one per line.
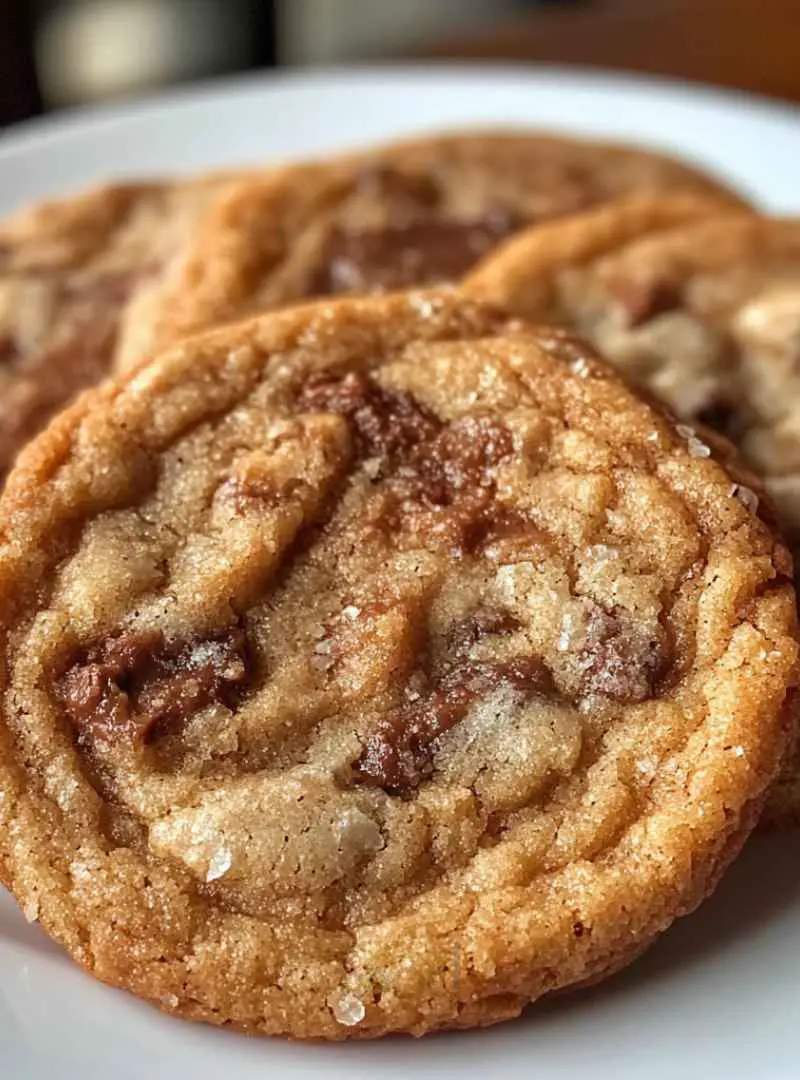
column 414, row 213
column 381, row 665
column 706, row 315
column 76, row 278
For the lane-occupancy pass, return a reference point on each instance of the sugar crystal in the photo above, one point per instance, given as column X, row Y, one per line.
column 746, row 496
column 220, row 864
column 348, row 1010
column 30, row 909
column 580, row 367
column 697, row 448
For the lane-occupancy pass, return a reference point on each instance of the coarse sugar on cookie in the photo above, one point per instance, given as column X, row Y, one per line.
column 706, row 315
column 421, row 212
column 378, row 666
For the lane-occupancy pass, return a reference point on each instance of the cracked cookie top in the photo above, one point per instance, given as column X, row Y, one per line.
column 379, row 665
column 416, row 213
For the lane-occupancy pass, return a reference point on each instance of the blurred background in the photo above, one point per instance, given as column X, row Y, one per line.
column 58, row 53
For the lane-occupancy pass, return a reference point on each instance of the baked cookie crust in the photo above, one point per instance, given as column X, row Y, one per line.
column 378, row 666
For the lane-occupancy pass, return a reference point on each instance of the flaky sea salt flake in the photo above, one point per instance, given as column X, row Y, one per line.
column 580, row 367
column 697, row 448
column 506, row 583
column 30, row 909
column 348, row 1010
column 278, row 428
column 220, row 864
column 746, row 496
column 566, row 635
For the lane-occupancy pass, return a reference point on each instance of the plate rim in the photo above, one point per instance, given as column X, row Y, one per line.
column 87, row 119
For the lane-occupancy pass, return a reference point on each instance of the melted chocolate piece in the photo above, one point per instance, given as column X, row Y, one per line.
column 385, row 423
column 619, row 663
column 398, row 753
column 445, row 494
column 461, row 459
column 138, row 688
column 439, row 478
column 402, row 256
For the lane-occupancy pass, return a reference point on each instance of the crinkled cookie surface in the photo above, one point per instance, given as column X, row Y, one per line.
column 381, row 665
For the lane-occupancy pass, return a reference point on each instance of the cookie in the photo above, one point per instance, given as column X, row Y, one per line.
column 411, row 214
column 706, row 315
column 379, row 665
column 76, row 277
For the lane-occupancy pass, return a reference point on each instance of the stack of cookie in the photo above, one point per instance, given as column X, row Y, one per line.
column 389, row 661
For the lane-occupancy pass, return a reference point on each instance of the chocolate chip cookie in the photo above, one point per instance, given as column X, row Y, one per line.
column 380, row 665
column 416, row 213
column 706, row 315
column 76, row 278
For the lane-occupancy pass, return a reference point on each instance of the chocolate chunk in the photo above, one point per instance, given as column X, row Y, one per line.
column 385, row 423
column 402, row 256
column 644, row 300
column 461, row 459
column 398, row 753
column 137, row 687
column 439, row 479
column 443, row 460
column 459, row 528
column 447, row 488
column 620, row 663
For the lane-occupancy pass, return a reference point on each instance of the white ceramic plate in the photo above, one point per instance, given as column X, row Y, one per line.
column 719, row 997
